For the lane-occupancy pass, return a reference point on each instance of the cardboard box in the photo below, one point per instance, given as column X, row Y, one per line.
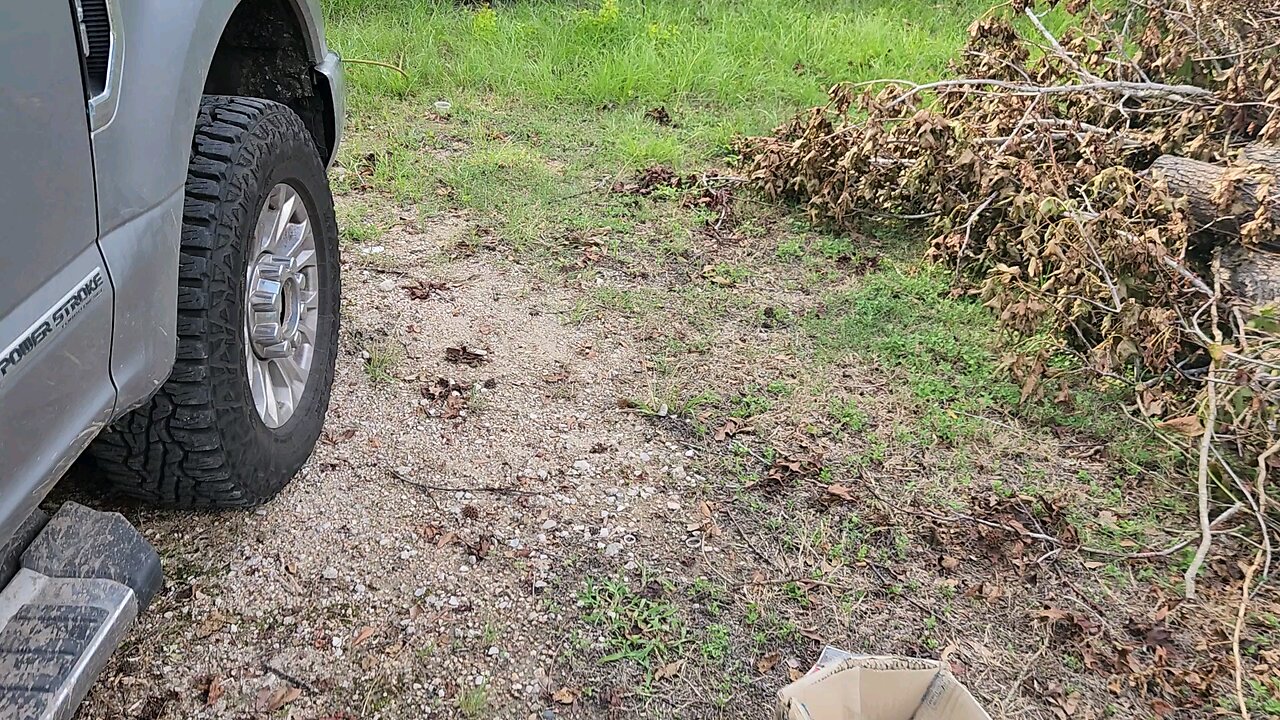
column 878, row 688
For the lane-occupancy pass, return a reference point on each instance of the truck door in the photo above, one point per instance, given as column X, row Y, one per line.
column 55, row 298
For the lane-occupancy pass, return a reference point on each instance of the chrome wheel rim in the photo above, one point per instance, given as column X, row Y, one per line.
column 281, row 306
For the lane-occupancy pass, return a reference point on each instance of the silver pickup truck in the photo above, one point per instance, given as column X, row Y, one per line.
column 168, row 294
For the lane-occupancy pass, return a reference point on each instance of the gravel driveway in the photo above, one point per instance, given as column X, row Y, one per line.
column 362, row 592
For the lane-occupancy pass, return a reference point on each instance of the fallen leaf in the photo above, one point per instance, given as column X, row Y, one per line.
column 214, row 691
column 659, row 115
column 565, row 696
column 1188, row 425
column 1052, row 614
column 289, row 695
column 841, row 491
column 794, row 674
column 466, row 356
column 365, row 633
column 669, row 670
column 210, row 625
column 949, row 563
column 732, row 426
column 767, row 662
column 271, row 699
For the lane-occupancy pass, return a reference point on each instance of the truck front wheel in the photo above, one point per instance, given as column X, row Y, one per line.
column 258, row 291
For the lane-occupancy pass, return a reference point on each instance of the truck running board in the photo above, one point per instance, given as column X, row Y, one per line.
column 80, row 584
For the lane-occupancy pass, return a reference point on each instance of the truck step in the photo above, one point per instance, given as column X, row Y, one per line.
column 56, row 635
column 81, row 582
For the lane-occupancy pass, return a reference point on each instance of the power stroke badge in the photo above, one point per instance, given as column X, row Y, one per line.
column 57, row 318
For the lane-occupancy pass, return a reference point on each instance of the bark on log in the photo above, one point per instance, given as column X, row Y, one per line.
column 1198, row 181
column 1261, row 154
column 1250, row 273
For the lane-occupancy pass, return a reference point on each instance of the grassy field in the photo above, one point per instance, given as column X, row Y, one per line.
column 806, row 361
column 549, row 98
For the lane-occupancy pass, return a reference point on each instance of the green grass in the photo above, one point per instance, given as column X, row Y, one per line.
column 757, row 59
column 474, row 702
column 549, row 98
column 380, row 363
column 644, row 630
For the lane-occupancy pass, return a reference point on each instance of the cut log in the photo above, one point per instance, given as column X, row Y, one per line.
column 1251, row 274
column 1261, row 154
column 1199, row 181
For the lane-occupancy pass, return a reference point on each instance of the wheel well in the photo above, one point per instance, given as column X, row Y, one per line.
column 263, row 54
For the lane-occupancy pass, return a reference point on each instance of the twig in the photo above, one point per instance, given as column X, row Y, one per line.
column 1187, row 275
column 742, row 533
column 928, row 611
column 1262, row 504
column 960, row 516
column 1235, row 635
column 376, row 269
column 1179, row 93
column 1057, row 47
column 1166, row 552
column 1206, row 445
column 1259, row 511
column 788, row 581
column 378, row 63
column 289, row 678
column 1029, row 666
column 445, row 488
column 968, row 226
column 893, row 216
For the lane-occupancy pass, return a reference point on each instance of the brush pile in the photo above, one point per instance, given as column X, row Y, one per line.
column 1109, row 191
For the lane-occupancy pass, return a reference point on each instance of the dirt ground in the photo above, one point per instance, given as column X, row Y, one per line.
column 506, row 519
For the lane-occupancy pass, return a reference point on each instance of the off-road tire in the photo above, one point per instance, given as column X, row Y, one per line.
column 200, row 442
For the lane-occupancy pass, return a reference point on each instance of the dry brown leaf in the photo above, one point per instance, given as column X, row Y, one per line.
column 212, row 623
column 363, row 636
column 669, row 670
column 215, row 690
column 271, row 699
column 949, row 563
column 565, row 696
column 841, row 491
column 466, row 356
column 284, row 698
column 1188, row 425
column 1052, row 614
column 767, row 662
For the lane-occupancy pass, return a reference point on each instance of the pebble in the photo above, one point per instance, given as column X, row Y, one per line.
column 612, row 549
column 582, row 466
column 549, row 524
column 387, row 285
column 330, row 573
column 493, row 651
